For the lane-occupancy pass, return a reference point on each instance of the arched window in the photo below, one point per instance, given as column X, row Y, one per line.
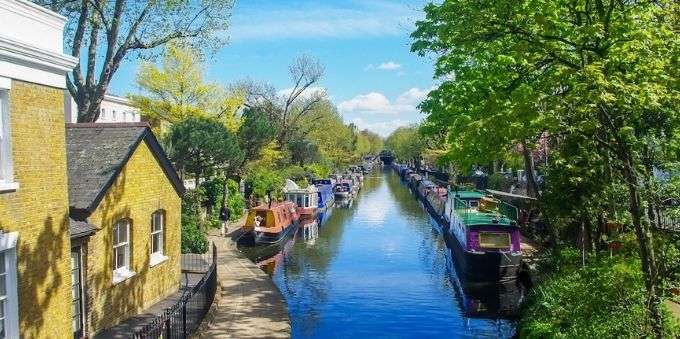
column 157, row 229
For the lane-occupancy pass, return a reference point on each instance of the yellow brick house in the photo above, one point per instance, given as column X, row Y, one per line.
column 125, row 200
column 35, row 265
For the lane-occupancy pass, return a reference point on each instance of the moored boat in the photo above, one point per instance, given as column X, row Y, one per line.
column 271, row 223
column 325, row 192
column 486, row 234
column 343, row 190
column 306, row 199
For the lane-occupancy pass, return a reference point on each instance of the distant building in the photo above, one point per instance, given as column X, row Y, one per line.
column 113, row 109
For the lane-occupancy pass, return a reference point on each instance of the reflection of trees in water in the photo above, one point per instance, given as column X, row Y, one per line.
column 406, row 201
column 302, row 278
column 496, row 302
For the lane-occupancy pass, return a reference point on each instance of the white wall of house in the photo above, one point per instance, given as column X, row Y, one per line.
column 113, row 109
column 31, row 44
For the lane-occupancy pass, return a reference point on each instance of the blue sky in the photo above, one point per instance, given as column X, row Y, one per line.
column 371, row 75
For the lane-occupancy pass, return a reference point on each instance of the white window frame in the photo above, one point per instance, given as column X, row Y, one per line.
column 158, row 256
column 123, row 272
column 8, row 242
column 7, row 183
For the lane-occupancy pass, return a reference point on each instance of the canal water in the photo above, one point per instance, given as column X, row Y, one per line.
column 380, row 268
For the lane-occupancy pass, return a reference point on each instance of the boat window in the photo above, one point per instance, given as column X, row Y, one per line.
column 494, row 240
column 306, row 200
column 473, row 203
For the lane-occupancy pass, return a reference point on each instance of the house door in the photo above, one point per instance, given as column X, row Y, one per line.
column 77, row 293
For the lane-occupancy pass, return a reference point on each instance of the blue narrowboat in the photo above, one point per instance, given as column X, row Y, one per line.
column 326, row 194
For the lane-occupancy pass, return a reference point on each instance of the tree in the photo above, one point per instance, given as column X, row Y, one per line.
column 289, row 107
column 178, row 90
column 255, row 133
column 108, row 31
column 406, row 144
column 202, row 147
column 603, row 70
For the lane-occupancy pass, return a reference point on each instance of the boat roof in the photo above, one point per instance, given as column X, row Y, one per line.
column 428, row 183
column 469, row 194
column 476, row 218
column 276, row 205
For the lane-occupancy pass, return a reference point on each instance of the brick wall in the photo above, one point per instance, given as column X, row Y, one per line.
column 141, row 189
column 38, row 210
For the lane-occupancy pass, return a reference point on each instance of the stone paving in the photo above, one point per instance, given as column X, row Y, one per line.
column 247, row 304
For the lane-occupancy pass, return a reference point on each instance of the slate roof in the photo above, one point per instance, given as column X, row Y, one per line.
column 96, row 153
column 81, row 228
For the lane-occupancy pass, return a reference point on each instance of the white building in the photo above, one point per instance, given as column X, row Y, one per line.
column 113, row 109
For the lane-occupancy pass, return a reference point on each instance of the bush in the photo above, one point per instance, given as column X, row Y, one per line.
column 498, row 182
column 235, row 201
column 194, row 240
column 605, row 299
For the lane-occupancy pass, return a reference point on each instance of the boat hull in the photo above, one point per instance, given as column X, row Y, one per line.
column 342, row 195
column 265, row 238
column 486, row 266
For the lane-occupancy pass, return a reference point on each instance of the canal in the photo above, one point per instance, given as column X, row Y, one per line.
column 381, row 268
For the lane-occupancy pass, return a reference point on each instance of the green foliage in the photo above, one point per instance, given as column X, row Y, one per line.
column 606, row 299
column 178, row 90
column 263, row 180
column 255, row 133
column 235, row 201
column 297, row 174
column 406, row 143
column 318, row 171
column 194, row 239
column 498, row 182
column 202, row 147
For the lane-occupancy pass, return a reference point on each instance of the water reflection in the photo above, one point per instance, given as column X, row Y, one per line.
column 382, row 268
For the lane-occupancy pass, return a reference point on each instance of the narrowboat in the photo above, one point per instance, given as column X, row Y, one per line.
column 483, row 300
column 436, row 199
column 269, row 224
column 413, row 180
column 306, row 199
column 325, row 192
column 424, row 187
column 487, row 236
column 343, row 190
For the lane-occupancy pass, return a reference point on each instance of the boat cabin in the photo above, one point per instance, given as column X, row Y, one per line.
column 306, row 199
column 271, row 219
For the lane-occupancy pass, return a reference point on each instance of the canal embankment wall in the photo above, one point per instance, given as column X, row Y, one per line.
column 247, row 303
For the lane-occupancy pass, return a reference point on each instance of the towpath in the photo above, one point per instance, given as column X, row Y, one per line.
column 247, row 303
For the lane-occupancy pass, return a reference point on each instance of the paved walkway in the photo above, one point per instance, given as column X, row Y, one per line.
column 248, row 304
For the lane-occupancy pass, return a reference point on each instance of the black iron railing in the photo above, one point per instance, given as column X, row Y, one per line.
column 184, row 317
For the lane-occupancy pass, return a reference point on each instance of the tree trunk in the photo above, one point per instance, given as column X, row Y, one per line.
column 649, row 265
column 532, row 185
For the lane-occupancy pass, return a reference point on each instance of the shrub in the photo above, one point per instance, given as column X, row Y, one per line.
column 605, row 299
column 194, row 239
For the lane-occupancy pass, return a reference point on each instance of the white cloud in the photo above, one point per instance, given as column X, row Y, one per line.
column 383, row 128
column 311, row 20
column 385, row 66
column 374, row 111
column 389, row 66
column 375, row 103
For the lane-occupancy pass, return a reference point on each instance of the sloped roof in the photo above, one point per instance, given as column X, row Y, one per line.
column 96, row 153
column 81, row 229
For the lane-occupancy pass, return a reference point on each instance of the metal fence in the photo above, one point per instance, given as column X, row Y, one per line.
column 183, row 318
column 198, row 263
